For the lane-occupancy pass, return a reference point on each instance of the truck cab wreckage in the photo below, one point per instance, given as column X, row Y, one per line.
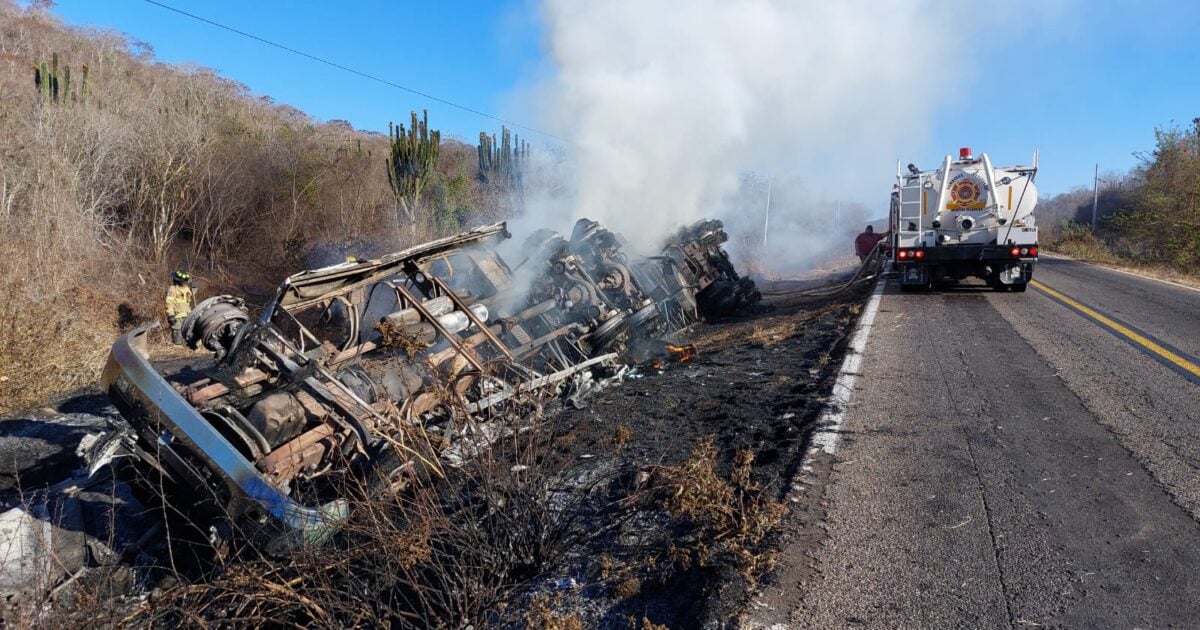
column 351, row 367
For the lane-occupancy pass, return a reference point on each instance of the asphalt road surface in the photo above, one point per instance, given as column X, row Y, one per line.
column 1011, row 460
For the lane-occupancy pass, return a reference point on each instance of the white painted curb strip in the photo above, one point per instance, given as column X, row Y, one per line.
column 829, row 425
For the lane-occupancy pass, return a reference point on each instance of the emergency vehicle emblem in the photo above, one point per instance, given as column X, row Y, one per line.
column 967, row 192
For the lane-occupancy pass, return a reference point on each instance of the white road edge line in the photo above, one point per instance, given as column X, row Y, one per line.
column 1128, row 273
column 829, row 425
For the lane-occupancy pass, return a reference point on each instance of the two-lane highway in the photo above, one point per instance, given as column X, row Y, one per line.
column 1012, row 460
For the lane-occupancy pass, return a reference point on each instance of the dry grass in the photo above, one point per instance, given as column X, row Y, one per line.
column 763, row 331
column 823, row 360
column 1087, row 247
column 773, row 331
column 629, row 587
column 542, row 615
column 50, row 344
column 395, row 337
column 730, row 517
column 646, row 624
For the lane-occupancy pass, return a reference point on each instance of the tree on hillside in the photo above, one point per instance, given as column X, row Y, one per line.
column 1164, row 219
column 414, row 153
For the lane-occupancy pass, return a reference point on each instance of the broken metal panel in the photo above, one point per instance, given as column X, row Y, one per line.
column 318, row 284
column 349, row 359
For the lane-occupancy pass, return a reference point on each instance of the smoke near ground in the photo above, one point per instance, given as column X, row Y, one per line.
column 677, row 110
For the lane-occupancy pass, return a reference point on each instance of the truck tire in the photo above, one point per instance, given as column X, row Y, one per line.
column 1018, row 287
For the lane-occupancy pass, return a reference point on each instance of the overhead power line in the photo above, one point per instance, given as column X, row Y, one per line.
column 365, row 75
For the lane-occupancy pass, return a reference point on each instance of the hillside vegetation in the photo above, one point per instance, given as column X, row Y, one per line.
column 116, row 169
column 1148, row 217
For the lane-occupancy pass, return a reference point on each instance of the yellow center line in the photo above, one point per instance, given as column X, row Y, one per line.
column 1124, row 331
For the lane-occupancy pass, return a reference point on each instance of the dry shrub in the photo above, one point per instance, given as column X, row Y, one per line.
column 393, row 336
column 628, row 587
column 604, row 566
column 729, row 518
column 542, row 615
column 622, row 435
column 445, row 552
column 1078, row 241
column 646, row 624
column 51, row 344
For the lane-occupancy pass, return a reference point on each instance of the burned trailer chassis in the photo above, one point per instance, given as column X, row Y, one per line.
column 395, row 367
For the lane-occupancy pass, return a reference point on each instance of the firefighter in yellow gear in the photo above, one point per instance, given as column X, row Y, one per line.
column 179, row 303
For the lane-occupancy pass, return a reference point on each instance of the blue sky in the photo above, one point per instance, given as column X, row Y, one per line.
column 1088, row 83
column 468, row 52
column 1086, row 86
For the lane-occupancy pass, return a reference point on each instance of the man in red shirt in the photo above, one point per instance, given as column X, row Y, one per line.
column 865, row 242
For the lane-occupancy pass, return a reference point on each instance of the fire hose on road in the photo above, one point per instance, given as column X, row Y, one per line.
column 870, row 269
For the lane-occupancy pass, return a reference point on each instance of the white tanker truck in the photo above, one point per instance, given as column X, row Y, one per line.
column 966, row 218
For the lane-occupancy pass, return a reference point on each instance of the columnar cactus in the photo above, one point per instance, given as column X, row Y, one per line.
column 41, row 78
column 414, row 153
column 502, row 162
column 54, row 78
column 50, row 90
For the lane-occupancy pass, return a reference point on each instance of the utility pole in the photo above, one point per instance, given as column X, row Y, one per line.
column 1095, row 196
column 767, row 218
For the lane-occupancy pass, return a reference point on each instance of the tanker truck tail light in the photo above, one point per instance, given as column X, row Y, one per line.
column 910, row 254
column 1016, row 251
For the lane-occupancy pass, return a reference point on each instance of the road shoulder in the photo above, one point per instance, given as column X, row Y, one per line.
column 973, row 489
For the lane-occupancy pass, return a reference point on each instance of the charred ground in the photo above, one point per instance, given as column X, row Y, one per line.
column 739, row 416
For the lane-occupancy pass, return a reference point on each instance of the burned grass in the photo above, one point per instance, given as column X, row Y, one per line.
column 708, row 450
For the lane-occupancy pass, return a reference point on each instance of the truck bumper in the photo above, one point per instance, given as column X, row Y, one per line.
column 994, row 263
column 167, row 433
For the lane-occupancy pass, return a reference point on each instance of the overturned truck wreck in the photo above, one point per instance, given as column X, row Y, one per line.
column 348, row 365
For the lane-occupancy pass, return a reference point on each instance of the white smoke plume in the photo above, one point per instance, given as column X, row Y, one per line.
column 667, row 106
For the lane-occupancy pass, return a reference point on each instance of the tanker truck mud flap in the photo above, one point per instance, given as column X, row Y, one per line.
column 914, row 276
